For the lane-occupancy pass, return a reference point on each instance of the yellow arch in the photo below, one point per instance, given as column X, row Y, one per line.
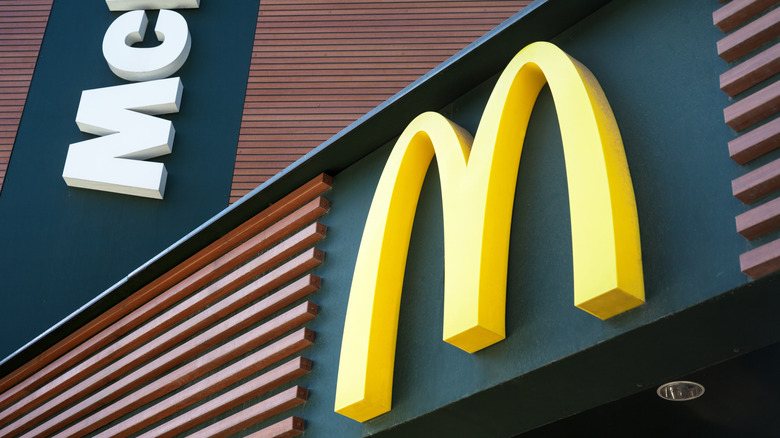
column 478, row 185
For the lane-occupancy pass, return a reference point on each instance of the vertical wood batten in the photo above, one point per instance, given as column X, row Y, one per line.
column 18, row 19
column 374, row 50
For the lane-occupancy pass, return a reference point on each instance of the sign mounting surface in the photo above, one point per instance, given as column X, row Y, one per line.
column 478, row 179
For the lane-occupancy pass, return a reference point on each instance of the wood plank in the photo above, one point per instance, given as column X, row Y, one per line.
column 93, row 336
column 184, row 374
column 754, row 108
column 193, row 394
column 328, row 5
column 338, row 9
column 272, row 150
column 757, row 183
column 96, row 373
column 21, row 30
column 347, row 57
column 265, row 409
column 307, row 89
column 287, row 118
column 289, row 427
column 280, row 113
column 749, row 37
column 313, row 126
column 398, row 24
column 181, row 309
column 259, row 96
column 284, row 47
column 337, row 36
column 328, row 2
column 102, row 369
column 760, row 67
column 737, row 12
column 760, row 220
column 375, row 49
column 761, row 261
column 353, row 72
column 220, row 404
column 755, row 143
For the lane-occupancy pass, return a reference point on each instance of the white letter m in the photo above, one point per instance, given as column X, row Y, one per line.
column 123, row 116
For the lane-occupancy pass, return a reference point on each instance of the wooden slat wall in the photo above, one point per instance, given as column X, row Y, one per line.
column 142, row 366
column 318, row 65
column 22, row 24
column 752, row 46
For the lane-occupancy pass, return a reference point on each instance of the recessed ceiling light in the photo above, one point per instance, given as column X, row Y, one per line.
column 680, row 391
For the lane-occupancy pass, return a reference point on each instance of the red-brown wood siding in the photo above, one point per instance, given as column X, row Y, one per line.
column 22, row 24
column 319, row 65
column 752, row 46
column 163, row 360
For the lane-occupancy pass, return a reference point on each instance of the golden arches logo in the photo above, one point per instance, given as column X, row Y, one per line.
column 478, row 181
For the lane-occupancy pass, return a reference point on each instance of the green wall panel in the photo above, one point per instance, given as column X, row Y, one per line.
column 60, row 247
column 657, row 63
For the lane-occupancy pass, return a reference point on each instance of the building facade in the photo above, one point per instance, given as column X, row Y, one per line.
column 546, row 287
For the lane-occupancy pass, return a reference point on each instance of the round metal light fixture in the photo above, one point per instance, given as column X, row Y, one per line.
column 680, row 391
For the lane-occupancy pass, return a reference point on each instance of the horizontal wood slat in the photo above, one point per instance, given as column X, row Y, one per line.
column 289, row 427
column 752, row 71
column 757, row 183
column 259, row 412
column 761, row 261
column 256, row 312
column 186, row 307
column 285, row 347
column 186, row 373
column 251, row 389
column 235, row 305
column 755, row 143
column 314, row 4
column 737, row 12
column 744, row 40
column 373, row 49
column 759, row 220
column 263, row 285
column 365, row 12
column 22, row 26
column 180, row 400
column 754, row 108
column 100, row 331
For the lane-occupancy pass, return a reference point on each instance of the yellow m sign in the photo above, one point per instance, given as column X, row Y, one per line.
column 478, row 181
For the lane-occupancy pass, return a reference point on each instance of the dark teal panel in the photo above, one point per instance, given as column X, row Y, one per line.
column 657, row 63
column 60, row 247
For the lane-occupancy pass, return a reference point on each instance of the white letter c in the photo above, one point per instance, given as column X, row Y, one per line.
column 148, row 63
